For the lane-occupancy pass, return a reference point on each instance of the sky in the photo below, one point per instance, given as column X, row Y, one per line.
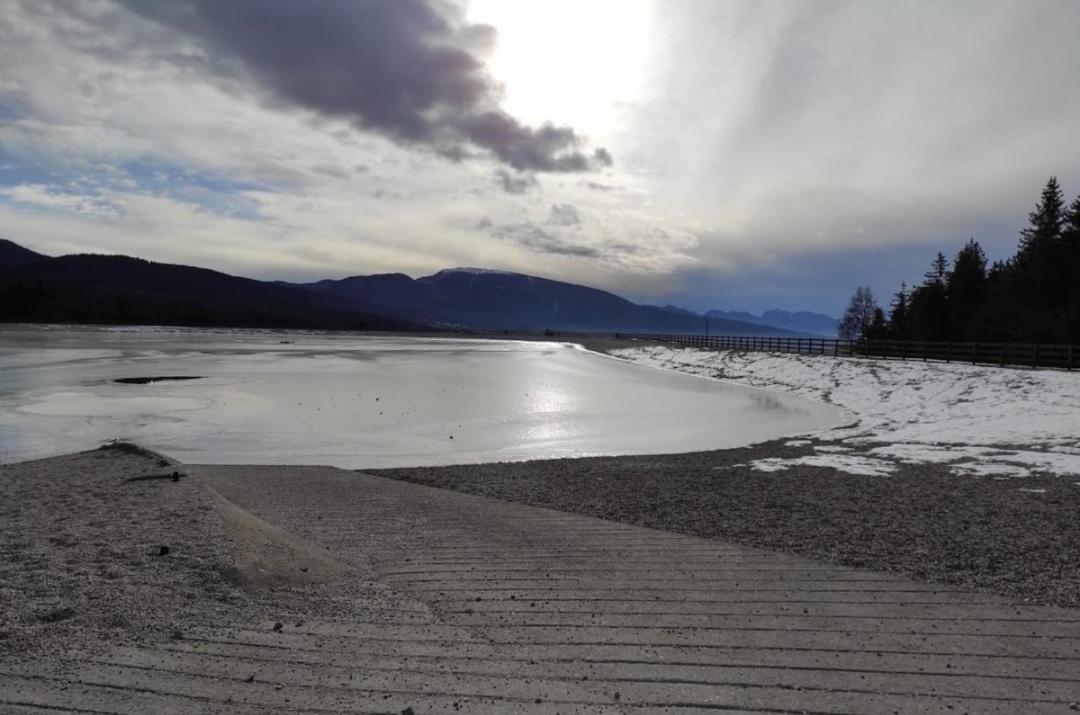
column 732, row 154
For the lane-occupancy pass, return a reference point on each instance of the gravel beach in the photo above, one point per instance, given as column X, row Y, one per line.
column 922, row 521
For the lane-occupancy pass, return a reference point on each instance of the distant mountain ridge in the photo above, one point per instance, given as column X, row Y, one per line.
column 91, row 288
column 499, row 300
column 12, row 254
column 799, row 321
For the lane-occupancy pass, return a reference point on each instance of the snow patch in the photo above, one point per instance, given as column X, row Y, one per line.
column 852, row 464
column 915, row 412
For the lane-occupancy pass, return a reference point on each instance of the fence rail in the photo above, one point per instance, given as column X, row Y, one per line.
column 1033, row 355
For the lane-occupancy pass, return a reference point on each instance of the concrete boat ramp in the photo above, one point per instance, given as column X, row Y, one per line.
column 490, row 607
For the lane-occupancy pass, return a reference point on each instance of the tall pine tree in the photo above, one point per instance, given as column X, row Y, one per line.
column 1039, row 283
column 929, row 312
column 1046, row 220
column 965, row 289
column 899, row 314
column 1070, row 240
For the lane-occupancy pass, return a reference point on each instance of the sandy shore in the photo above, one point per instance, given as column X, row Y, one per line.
column 104, row 547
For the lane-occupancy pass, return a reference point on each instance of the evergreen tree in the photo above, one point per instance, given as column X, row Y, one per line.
column 1046, row 220
column 998, row 316
column 929, row 318
column 965, row 290
column 879, row 327
column 898, row 314
column 1070, row 239
column 859, row 314
column 938, row 274
column 1039, row 285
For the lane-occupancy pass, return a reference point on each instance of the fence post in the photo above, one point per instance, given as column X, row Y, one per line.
column 974, row 353
column 1004, row 353
column 948, row 352
column 903, row 355
column 1070, row 358
column 1035, row 356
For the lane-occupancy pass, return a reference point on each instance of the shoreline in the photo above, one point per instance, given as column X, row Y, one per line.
column 921, row 521
column 378, row 595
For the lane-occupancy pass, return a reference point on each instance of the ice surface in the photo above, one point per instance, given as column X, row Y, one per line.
column 976, row 419
column 351, row 401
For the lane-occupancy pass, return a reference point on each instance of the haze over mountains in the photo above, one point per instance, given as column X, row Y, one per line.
column 123, row 289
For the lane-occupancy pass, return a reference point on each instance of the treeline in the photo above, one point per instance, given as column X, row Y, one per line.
column 43, row 301
column 1033, row 297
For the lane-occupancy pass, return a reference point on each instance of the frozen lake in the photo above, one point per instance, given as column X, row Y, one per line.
column 267, row 397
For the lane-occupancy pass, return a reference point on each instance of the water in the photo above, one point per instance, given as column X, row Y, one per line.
column 271, row 397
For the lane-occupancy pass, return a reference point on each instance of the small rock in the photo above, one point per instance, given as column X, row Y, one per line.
column 278, row 626
column 163, row 550
column 408, row 711
column 177, row 634
column 250, row 678
column 59, row 614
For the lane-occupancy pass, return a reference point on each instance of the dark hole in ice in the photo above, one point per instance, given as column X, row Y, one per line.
column 160, row 378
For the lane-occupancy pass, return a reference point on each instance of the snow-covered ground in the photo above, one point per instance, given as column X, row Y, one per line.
column 976, row 419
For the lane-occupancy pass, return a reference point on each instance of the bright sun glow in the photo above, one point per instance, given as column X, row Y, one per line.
column 569, row 62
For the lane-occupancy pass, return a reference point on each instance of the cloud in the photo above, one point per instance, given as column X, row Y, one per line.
column 533, row 237
column 627, row 243
column 56, row 199
column 518, row 183
column 564, row 215
column 410, row 70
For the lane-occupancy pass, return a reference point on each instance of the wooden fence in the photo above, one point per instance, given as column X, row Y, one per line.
column 1002, row 354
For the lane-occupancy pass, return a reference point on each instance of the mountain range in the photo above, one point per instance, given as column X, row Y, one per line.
column 799, row 322
column 91, row 288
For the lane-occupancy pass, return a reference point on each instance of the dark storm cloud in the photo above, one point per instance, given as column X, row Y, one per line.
column 407, row 69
